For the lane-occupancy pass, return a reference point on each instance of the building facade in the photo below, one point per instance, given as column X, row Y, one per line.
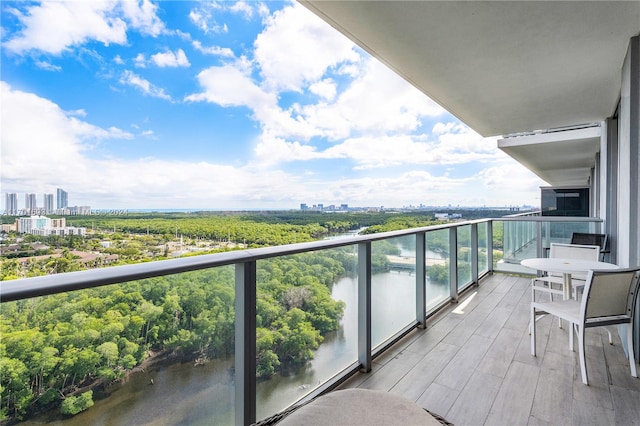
column 62, row 198
column 48, row 203
column 30, row 203
column 11, row 204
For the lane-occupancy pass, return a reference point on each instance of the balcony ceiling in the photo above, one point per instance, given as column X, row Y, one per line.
column 501, row 67
column 559, row 158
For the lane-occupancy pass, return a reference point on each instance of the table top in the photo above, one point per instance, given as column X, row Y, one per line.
column 557, row 264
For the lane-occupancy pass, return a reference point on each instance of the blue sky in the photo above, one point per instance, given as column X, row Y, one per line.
column 217, row 105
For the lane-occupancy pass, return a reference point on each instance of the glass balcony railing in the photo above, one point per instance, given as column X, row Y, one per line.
column 525, row 236
column 244, row 334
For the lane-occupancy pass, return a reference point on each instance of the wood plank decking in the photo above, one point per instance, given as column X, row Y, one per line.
column 473, row 366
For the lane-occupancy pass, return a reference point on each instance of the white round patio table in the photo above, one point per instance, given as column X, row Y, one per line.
column 566, row 267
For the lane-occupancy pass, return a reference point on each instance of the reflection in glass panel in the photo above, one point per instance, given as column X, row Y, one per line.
column 164, row 344
column 498, row 242
column 393, row 287
column 483, row 255
column 306, row 324
column 437, row 265
column 464, row 256
column 561, row 232
column 519, row 241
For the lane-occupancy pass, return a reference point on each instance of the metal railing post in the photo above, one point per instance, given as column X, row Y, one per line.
column 421, row 280
column 364, row 305
column 245, row 347
column 453, row 263
column 490, row 246
column 539, row 246
column 474, row 254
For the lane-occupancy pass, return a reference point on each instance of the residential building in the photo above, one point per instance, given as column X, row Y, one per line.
column 80, row 210
column 9, row 227
column 59, row 231
column 27, row 224
column 44, row 226
column 62, row 200
column 59, row 223
column 30, row 203
column 11, row 204
column 48, row 203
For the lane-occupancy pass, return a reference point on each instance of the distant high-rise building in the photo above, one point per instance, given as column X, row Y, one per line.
column 30, row 203
column 62, row 200
column 48, row 203
column 303, row 206
column 11, row 204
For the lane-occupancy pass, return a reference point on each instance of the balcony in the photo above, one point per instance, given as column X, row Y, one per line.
column 471, row 364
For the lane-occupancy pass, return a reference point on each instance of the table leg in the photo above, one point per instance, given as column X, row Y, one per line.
column 566, row 287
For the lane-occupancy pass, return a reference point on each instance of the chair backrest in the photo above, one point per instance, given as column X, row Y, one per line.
column 590, row 239
column 609, row 296
column 574, row 251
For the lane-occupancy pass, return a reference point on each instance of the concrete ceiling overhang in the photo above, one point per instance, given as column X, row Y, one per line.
column 501, row 67
column 560, row 158
column 505, row 67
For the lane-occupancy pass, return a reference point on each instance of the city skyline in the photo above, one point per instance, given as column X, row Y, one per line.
column 31, row 207
column 230, row 105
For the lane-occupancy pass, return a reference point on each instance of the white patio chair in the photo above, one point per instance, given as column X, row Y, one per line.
column 609, row 298
column 565, row 251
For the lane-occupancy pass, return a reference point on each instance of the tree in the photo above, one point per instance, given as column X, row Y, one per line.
column 74, row 404
column 109, row 352
column 15, row 388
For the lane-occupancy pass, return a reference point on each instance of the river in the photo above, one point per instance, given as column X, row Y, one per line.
column 204, row 395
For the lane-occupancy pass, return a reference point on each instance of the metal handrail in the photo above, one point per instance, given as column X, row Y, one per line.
column 57, row 283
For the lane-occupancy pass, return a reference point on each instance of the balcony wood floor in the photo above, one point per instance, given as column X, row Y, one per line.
column 473, row 366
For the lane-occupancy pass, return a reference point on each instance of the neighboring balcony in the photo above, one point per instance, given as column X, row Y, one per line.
column 471, row 364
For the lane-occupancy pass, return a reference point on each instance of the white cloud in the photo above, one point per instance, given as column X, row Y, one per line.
column 213, row 50
column 456, row 138
column 205, row 15
column 38, row 135
column 142, row 16
column 183, row 35
column 326, row 89
column 171, row 59
column 47, row 66
column 77, row 113
column 140, row 61
column 243, row 8
column 296, row 48
column 411, row 187
column 203, row 18
column 54, row 27
column 229, row 86
column 274, row 150
column 131, row 79
column 507, row 174
column 118, row 60
column 377, row 103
